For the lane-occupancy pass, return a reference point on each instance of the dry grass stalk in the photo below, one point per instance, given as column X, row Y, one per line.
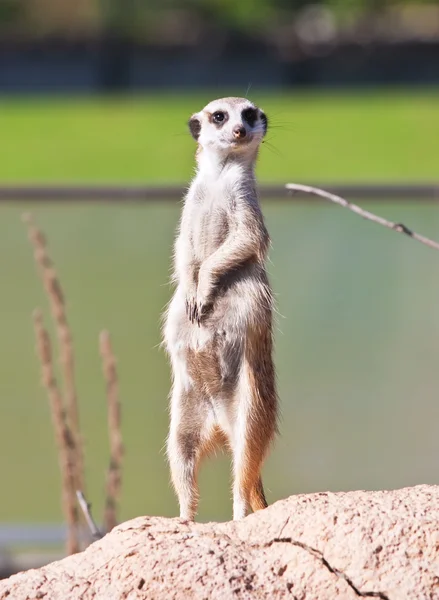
column 114, row 477
column 57, row 304
column 62, row 433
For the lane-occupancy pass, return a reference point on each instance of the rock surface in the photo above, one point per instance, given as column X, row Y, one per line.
column 309, row 547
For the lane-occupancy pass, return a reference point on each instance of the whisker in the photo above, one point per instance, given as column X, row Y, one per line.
column 282, row 126
column 273, row 148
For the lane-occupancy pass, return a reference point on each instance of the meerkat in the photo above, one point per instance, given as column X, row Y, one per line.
column 218, row 325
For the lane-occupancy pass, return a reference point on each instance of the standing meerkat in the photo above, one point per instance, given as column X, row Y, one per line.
column 218, row 329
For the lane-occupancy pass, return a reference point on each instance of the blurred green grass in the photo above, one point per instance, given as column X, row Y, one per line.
column 356, row 347
column 338, row 136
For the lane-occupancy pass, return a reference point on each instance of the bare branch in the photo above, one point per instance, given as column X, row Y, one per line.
column 86, row 509
column 57, row 304
column 62, row 433
column 114, row 477
column 398, row 227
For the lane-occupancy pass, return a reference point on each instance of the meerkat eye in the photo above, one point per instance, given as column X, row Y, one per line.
column 219, row 116
column 250, row 115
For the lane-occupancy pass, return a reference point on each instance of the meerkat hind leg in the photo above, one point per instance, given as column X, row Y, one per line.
column 253, row 430
column 190, row 437
column 248, row 455
column 247, row 463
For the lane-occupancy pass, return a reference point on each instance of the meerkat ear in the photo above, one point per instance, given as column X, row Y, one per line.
column 264, row 120
column 195, row 127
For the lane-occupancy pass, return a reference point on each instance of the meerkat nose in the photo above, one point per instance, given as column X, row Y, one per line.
column 239, row 131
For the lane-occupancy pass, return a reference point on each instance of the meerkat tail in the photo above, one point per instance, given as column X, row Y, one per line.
column 254, row 431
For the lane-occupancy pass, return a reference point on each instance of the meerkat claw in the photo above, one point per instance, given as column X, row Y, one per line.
column 191, row 310
column 194, row 313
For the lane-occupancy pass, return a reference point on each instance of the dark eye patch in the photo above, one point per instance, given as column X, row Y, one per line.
column 250, row 116
column 219, row 117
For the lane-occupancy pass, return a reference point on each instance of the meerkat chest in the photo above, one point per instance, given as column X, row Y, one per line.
column 210, row 227
column 211, row 219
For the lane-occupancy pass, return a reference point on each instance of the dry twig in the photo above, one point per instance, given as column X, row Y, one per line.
column 114, row 478
column 86, row 509
column 399, row 227
column 62, row 432
column 57, row 304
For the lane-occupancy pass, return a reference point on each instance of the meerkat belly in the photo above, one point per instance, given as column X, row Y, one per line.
column 243, row 302
column 209, row 230
column 210, row 356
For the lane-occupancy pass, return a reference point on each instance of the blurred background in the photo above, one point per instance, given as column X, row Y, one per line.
column 98, row 93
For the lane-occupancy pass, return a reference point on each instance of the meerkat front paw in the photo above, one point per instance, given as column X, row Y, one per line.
column 190, row 294
column 191, row 304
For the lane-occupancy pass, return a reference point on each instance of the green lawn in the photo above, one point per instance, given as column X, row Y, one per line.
column 357, row 339
column 392, row 136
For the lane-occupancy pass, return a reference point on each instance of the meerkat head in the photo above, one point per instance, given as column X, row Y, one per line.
column 229, row 126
